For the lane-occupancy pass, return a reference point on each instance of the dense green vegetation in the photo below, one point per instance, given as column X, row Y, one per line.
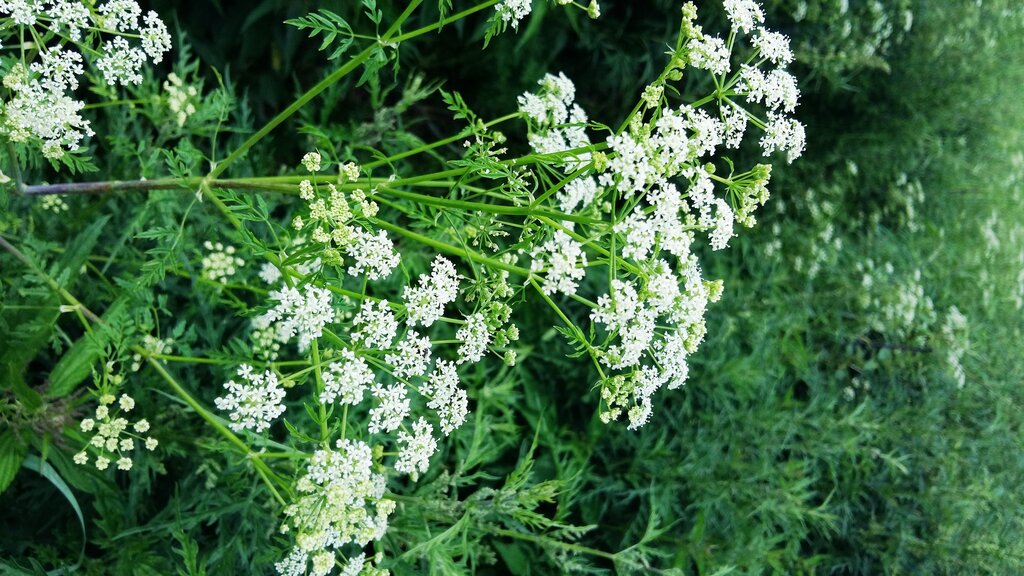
column 855, row 408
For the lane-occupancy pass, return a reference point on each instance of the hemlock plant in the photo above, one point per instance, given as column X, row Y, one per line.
column 345, row 315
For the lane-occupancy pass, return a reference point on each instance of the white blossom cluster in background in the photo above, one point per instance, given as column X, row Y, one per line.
column 153, row 345
column 895, row 304
column 863, row 33
column 114, row 36
column 181, row 98
column 114, row 438
column 955, row 334
column 220, row 262
column 658, row 183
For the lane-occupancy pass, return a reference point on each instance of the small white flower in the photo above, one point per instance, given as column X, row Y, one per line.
column 350, row 171
column 121, row 64
column 744, row 14
column 774, row 46
column 303, row 313
column 306, row 190
column 709, row 53
column 512, row 11
column 374, row 255
column 563, row 262
column 156, row 40
column 220, row 263
column 121, row 15
column 270, row 273
column 126, row 402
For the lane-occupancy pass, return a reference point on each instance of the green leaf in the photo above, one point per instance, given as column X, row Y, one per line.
column 43, row 468
column 78, row 251
column 76, row 364
column 331, row 26
column 12, row 453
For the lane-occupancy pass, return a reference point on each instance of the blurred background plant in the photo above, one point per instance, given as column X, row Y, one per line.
column 855, row 410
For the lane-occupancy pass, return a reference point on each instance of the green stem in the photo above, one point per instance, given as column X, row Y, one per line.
column 453, row 250
column 243, row 448
column 563, row 545
column 315, row 348
column 205, row 414
column 19, row 183
column 489, row 208
column 446, row 21
column 313, row 92
column 295, row 106
column 568, row 323
column 436, row 144
column 21, row 257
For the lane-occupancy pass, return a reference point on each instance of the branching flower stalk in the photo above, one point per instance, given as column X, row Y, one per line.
column 382, row 288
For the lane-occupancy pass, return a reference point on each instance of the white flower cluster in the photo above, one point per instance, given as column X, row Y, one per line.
column 955, row 333
column 475, row 336
column 425, row 303
column 391, row 409
column 337, row 226
column 512, row 11
column 416, row 449
column 303, row 313
column 557, row 122
column 346, row 380
column 41, row 106
column 181, row 98
column 115, row 437
column 341, row 502
column 375, row 325
column 662, row 320
column 563, row 261
column 255, row 403
column 411, row 357
column 374, row 255
column 220, row 262
column 894, row 304
column 776, row 89
column 658, row 181
column 450, row 402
